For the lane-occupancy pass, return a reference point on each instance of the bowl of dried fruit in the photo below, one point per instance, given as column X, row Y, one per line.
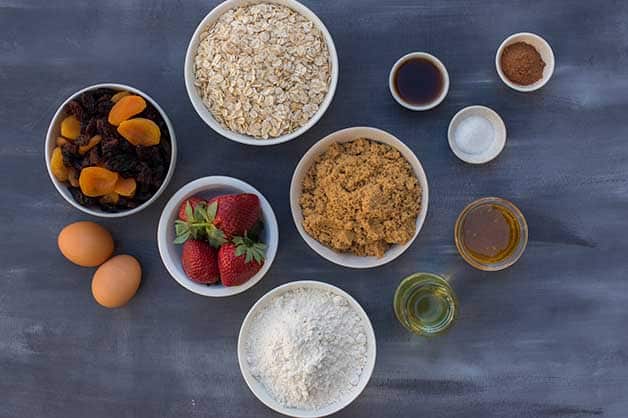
column 261, row 72
column 217, row 236
column 110, row 150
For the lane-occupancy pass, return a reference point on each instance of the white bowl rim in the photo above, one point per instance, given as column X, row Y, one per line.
column 62, row 188
column 534, row 86
column 367, row 372
column 172, row 206
column 492, row 152
column 205, row 114
column 366, row 261
column 439, row 64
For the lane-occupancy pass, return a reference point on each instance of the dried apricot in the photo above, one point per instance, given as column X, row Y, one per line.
column 73, row 177
column 140, row 131
column 119, row 95
column 125, row 108
column 70, row 127
column 59, row 170
column 110, row 198
column 93, row 141
column 61, row 141
column 126, row 187
column 97, row 181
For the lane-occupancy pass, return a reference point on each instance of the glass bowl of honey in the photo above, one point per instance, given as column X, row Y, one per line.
column 491, row 234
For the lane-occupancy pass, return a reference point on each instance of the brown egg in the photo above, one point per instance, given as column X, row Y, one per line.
column 116, row 281
column 85, row 243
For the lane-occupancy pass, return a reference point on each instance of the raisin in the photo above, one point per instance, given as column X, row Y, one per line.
column 89, row 128
column 94, row 156
column 81, row 198
column 83, row 139
column 104, row 105
column 124, row 164
column 74, row 108
column 127, row 203
column 148, row 154
column 71, row 158
column 88, row 101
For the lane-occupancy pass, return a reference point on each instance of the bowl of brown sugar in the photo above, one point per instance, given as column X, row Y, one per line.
column 525, row 61
column 359, row 197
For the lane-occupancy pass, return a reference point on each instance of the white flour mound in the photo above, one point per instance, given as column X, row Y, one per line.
column 307, row 347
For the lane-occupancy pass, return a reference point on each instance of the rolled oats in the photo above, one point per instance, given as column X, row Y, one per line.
column 262, row 70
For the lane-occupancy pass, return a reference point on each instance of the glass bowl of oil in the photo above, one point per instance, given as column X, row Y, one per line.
column 425, row 304
column 491, row 234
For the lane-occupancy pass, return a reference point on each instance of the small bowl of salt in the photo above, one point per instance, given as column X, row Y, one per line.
column 477, row 134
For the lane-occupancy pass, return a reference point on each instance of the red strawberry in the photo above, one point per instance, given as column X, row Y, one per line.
column 200, row 262
column 240, row 260
column 193, row 202
column 237, row 213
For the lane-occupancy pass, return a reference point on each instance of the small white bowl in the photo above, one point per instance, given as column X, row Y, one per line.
column 437, row 63
column 260, row 391
column 346, row 135
column 54, row 130
column 208, row 187
column 498, row 127
column 541, row 46
column 207, row 116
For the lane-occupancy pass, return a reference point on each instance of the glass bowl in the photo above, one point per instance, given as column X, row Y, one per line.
column 513, row 256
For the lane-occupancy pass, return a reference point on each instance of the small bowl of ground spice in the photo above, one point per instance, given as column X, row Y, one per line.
column 525, row 61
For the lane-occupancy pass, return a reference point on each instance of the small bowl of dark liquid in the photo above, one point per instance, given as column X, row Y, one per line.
column 419, row 81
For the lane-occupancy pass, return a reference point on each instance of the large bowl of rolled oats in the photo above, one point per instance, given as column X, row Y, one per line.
column 261, row 72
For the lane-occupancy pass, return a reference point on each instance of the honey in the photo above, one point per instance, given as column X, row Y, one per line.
column 491, row 234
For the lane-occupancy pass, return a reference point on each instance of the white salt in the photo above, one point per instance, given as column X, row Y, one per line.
column 474, row 135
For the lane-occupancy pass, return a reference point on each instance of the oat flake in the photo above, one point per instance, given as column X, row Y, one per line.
column 262, row 70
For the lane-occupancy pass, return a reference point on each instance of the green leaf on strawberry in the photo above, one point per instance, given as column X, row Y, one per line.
column 199, row 225
column 250, row 249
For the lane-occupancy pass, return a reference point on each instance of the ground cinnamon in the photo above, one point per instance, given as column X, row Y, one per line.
column 522, row 63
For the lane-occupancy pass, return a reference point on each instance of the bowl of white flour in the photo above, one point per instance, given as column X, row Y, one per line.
column 306, row 349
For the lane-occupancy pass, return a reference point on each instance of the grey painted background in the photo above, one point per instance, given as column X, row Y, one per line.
column 546, row 338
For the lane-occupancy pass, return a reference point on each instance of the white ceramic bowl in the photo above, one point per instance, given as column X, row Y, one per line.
column 541, row 46
column 498, row 127
column 54, row 131
column 438, row 63
column 260, row 391
column 346, row 135
column 208, row 187
column 206, row 115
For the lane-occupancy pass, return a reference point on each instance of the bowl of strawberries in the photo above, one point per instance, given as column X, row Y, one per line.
column 217, row 236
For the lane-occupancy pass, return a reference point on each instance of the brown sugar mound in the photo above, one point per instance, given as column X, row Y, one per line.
column 360, row 197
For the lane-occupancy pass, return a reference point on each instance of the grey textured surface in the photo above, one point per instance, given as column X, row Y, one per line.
column 546, row 338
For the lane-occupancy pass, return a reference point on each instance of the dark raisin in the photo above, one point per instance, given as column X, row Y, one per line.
column 149, row 155
column 81, row 198
column 103, row 91
column 127, row 203
column 88, row 101
column 125, row 164
column 105, row 129
column 83, row 139
column 106, row 207
column 150, row 113
column 89, row 128
column 104, row 105
column 143, row 192
column 94, row 156
column 74, row 108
